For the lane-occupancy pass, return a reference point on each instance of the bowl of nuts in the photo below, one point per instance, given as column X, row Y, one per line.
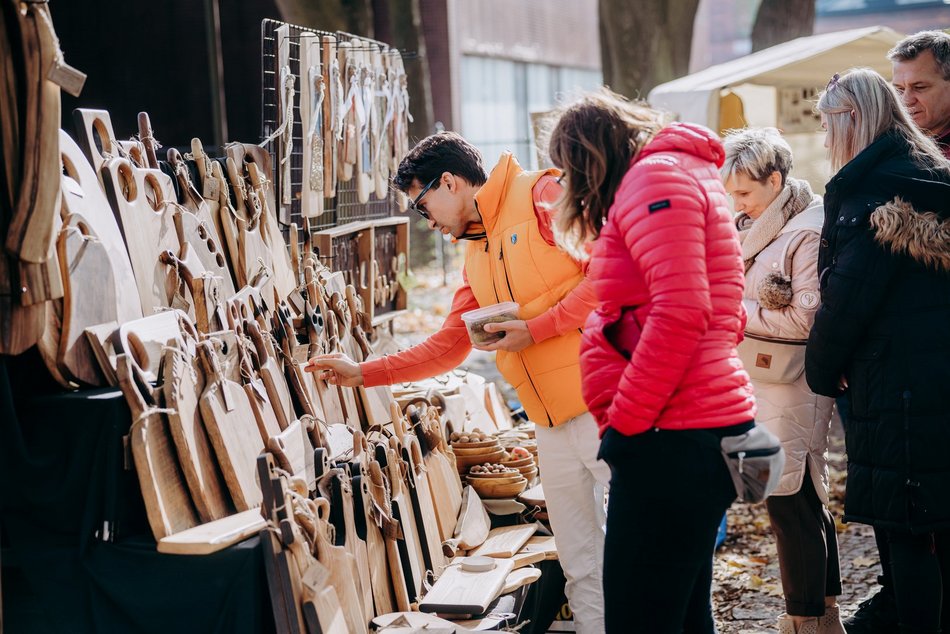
column 506, row 487
column 476, row 320
column 492, row 470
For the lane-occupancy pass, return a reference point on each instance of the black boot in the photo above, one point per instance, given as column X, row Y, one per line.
column 875, row 615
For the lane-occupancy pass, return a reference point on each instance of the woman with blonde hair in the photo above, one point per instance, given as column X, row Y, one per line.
column 882, row 332
column 779, row 220
column 658, row 356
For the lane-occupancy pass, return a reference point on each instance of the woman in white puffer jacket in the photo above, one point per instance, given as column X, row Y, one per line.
column 779, row 221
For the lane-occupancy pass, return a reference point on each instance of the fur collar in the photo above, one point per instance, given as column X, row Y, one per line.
column 922, row 236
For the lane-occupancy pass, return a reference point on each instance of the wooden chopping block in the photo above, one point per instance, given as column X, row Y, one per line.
column 438, row 470
column 144, row 339
column 83, row 195
column 343, row 495
column 383, row 513
column 330, row 67
column 200, row 234
column 293, row 452
column 168, row 505
column 420, row 494
column 520, row 577
column 211, row 537
column 312, row 96
column 342, row 566
column 232, row 430
column 411, row 547
column 368, row 529
column 274, row 382
column 104, row 342
column 284, row 281
column 84, row 265
column 459, row 591
column 321, row 603
column 182, row 386
column 139, row 199
column 505, row 541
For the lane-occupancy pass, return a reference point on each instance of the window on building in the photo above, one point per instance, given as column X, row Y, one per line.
column 498, row 96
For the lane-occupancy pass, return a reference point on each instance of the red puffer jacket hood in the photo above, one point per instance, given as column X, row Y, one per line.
column 660, row 351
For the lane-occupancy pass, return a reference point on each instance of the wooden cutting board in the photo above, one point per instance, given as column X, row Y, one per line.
column 382, row 513
column 274, row 382
column 411, row 546
column 207, row 247
column 104, row 341
column 83, row 195
column 343, row 571
column 368, row 529
column 211, row 537
column 284, row 281
column 145, row 339
column 84, row 265
column 138, row 198
column 543, row 544
column 168, row 505
column 331, row 77
column 312, row 95
column 182, row 387
column 343, row 487
column 293, row 452
column 458, row 591
column 505, row 541
column 322, row 610
column 233, row 432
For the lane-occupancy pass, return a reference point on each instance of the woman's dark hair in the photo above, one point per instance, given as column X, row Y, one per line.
column 593, row 142
column 438, row 153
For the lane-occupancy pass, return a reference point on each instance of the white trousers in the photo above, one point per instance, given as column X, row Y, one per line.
column 574, row 483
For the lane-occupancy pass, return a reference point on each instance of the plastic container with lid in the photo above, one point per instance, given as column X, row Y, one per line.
column 475, row 321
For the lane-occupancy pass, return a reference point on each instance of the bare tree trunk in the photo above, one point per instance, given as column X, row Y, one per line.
column 779, row 21
column 644, row 43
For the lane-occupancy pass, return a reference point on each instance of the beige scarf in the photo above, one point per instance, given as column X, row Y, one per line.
column 757, row 234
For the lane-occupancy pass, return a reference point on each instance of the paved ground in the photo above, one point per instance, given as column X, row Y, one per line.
column 746, row 588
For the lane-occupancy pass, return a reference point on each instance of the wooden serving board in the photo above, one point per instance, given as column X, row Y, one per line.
column 541, row 544
column 84, row 265
column 83, row 195
column 182, row 387
column 293, row 452
column 233, row 432
column 458, row 591
column 145, row 339
column 411, row 548
column 138, row 196
column 276, row 385
column 104, row 341
column 168, row 505
column 343, row 571
column 381, row 510
column 368, row 529
column 353, row 543
column 211, row 537
column 312, row 96
column 505, row 541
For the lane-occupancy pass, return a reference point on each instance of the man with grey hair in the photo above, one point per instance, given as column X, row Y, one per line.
column 922, row 77
column 921, row 74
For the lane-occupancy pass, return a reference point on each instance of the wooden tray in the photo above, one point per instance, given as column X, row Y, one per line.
column 461, row 592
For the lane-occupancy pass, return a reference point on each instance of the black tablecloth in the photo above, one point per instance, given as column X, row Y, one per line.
column 64, row 492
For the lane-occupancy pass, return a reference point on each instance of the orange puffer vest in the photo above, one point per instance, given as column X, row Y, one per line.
column 514, row 263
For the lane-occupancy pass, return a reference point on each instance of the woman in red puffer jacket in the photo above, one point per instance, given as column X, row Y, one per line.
column 658, row 357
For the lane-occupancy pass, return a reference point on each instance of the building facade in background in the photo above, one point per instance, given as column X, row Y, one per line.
column 493, row 62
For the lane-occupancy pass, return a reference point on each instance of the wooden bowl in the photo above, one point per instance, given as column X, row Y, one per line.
column 489, row 488
column 474, row 445
column 530, row 472
column 503, row 479
column 462, row 463
column 492, row 475
column 475, row 451
column 520, row 462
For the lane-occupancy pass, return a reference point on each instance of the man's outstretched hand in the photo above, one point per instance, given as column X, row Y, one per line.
column 336, row 369
column 517, row 337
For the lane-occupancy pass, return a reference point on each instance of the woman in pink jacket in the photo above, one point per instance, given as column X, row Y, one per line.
column 658, row 357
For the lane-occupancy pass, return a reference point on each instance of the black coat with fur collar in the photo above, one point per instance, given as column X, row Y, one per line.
column 884, row 324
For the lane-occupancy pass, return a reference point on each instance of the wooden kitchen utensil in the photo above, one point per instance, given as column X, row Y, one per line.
column 211, row 537
column 145, row 339
column 168, row 505
column 472, row 528
column 342, row 566
column 84, row 264
column 183, row 385
column 459, row 591
column 83, row 195
column 505, row 541
column 410, row 547
column 382, row 511
column 274, row 382
column 232, row 430
column 369, row 516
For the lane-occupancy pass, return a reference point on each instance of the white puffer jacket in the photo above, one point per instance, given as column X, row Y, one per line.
column 799, row 418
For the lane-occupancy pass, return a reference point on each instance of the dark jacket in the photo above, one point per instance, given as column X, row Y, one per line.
column 884, row 323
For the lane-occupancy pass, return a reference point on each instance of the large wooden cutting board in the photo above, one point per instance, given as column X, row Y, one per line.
column 505, row 541
column 168, row 505
column 138, row 196
column 368, row 529
column 145, row 339
column 411, row 547
column 276, row 385
column 182, row 387
column 83, row 195
column 233, row 433
column 459, row 591
column 84, row 264
column 343, row 572
column 211, row 537
column 293, row 452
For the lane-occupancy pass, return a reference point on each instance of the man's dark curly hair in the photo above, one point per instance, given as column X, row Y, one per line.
column 438, row 153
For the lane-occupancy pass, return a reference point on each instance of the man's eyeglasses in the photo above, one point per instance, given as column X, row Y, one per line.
column 414, row 203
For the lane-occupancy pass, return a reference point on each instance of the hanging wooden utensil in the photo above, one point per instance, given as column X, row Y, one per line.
column 274, row 382
column 410, row 547
column 342, row 566
column 368, row 520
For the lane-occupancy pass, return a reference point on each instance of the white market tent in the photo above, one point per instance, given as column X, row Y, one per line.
column 777, row 87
